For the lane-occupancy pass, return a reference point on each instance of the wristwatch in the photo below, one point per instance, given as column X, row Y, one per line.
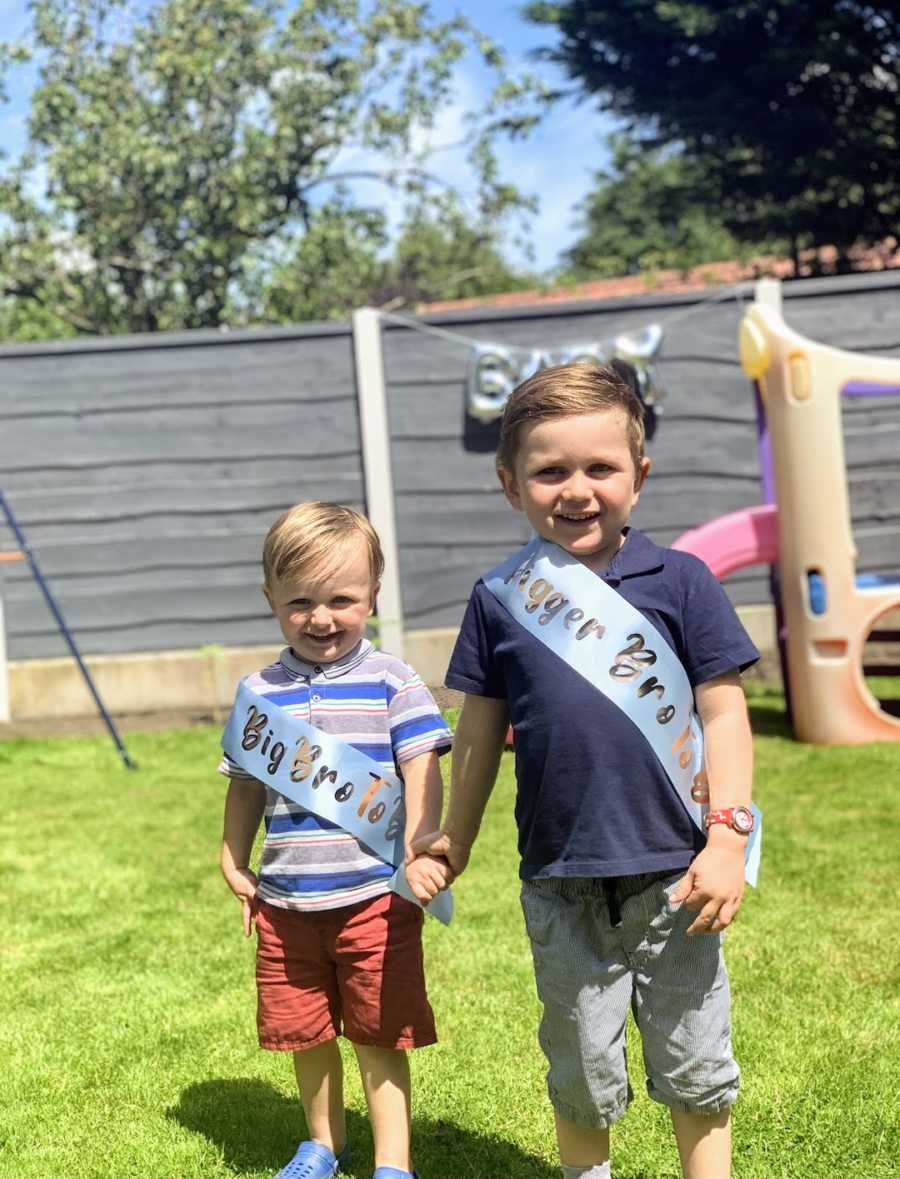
column 738, row 818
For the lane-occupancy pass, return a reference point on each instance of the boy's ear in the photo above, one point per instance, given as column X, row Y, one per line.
column 268, row 598
column 510, row 487
column 375, row 588
column 642, row 473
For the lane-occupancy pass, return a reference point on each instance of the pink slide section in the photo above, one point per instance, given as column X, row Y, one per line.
column 732, row 542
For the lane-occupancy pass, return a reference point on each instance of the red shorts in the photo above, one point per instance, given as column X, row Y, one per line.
column 356, row 970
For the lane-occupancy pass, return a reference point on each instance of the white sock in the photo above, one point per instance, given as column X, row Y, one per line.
column 597, row 1171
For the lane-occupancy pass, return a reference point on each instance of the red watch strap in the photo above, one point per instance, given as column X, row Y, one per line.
column 726, row 815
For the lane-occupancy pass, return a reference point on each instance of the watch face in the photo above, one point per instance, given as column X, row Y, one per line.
column 743, row 820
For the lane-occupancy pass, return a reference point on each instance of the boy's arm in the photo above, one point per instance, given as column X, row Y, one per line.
column 477, row 747
column 714, row 882
column 244, row 806
column 423, row 791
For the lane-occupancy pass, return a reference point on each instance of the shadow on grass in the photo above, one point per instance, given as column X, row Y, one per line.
column 768, row 721
column 257, row 1129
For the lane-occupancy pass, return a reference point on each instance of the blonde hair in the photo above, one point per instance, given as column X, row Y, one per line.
column 566, row 390
column 315, row 534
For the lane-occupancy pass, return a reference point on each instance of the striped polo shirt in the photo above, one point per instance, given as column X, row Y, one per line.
column 379, row 705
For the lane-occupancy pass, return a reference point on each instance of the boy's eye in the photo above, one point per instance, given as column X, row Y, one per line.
column 549, row 473
column 299, row 603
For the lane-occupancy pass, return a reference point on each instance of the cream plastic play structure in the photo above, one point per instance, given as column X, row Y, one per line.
column 826, row 612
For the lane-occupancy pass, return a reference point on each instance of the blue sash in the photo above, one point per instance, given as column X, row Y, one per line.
column 621, row 653
column 327, row 777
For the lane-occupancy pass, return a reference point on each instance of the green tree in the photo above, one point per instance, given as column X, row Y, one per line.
column 645, row 214
column 38, row 299
column 330, row 268
column 182, row 142
column 443, row 253
column 342, row 261
column 790, row 106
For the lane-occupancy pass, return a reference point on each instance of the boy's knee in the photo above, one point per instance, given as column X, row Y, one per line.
column 592, row 1104
column 691, row 1100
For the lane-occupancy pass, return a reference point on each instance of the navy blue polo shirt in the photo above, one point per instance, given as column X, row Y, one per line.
column 593, row 799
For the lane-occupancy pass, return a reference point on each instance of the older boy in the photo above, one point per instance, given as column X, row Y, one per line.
column 617, row 874
column 336, row 948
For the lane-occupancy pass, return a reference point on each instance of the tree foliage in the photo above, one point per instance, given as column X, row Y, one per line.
column 790, row 107
column 341, row 261
column 644, row 214
column 330, row 268
column 186, row 143
column 442, row 254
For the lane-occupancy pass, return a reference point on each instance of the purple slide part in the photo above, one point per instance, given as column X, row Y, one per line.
column 869, row 389
column 764, row 447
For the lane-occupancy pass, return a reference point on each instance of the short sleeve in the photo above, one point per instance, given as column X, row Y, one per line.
column 715, row 640
column 473, row 664
column 231, row 769
column 415, row 720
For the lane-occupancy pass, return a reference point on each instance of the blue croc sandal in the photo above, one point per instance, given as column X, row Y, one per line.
column 315, row 1161
column 393, row 1173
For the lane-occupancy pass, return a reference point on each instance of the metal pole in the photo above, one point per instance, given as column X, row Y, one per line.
column 4, row 673
column 66, row 633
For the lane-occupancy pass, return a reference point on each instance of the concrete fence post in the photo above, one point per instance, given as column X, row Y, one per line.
column 377, row 471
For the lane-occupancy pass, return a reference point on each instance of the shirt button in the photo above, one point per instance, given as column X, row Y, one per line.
column 317, row 670
column 316, row 699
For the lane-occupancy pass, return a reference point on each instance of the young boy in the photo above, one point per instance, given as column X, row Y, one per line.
column 336, row 949
column 618, row 878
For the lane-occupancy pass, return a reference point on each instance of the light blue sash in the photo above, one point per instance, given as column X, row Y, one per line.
column 326, row 776
column 621, row 653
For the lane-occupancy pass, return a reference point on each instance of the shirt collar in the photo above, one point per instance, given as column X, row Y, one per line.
column 300, row 669
column 637, row 555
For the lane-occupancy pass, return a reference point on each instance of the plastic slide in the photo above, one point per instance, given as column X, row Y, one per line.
column 736, row 541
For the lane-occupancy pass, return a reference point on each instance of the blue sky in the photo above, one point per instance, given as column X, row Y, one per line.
column 556, row 163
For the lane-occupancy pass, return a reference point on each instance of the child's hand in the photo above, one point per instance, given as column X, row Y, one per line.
column 427, row 876
column 243, row 883
column 714, row 884
column 442, row 846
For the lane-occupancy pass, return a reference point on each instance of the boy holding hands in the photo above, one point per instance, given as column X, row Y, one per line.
column 625, row 888
column 337, row 950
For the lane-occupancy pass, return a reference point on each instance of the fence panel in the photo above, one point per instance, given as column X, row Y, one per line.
column 145, row 471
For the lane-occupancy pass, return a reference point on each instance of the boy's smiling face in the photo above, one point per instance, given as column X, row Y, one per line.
column 576, row 481
column 322, row 613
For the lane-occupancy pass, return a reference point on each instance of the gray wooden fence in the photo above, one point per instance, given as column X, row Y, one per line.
column 146, row 470
column 452, row 520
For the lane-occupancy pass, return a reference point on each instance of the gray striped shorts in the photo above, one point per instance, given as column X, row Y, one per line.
column 602, row 946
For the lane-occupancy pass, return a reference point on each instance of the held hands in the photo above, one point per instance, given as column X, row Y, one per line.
column 427, row 875
column 714, row 885
column 242, row 883
column 433, row 862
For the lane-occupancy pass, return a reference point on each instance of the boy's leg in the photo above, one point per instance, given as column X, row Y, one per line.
column 385, row 1078
column 584, row 984
column 581, row 1146
column 682, row 1009
column 386, row 1011
column 320, row 1079
column 298, row 1010
column 704, row 1144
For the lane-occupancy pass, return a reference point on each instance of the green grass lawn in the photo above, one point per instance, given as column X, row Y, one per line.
column 128, row 998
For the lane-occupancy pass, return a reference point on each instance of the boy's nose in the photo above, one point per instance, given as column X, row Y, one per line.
column 321, row 616
column 576, row 488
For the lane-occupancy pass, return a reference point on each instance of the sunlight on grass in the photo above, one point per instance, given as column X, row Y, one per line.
column 129, row 992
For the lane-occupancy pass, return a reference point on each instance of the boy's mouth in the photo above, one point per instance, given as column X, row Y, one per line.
column 577, row 517
column 323, row 640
